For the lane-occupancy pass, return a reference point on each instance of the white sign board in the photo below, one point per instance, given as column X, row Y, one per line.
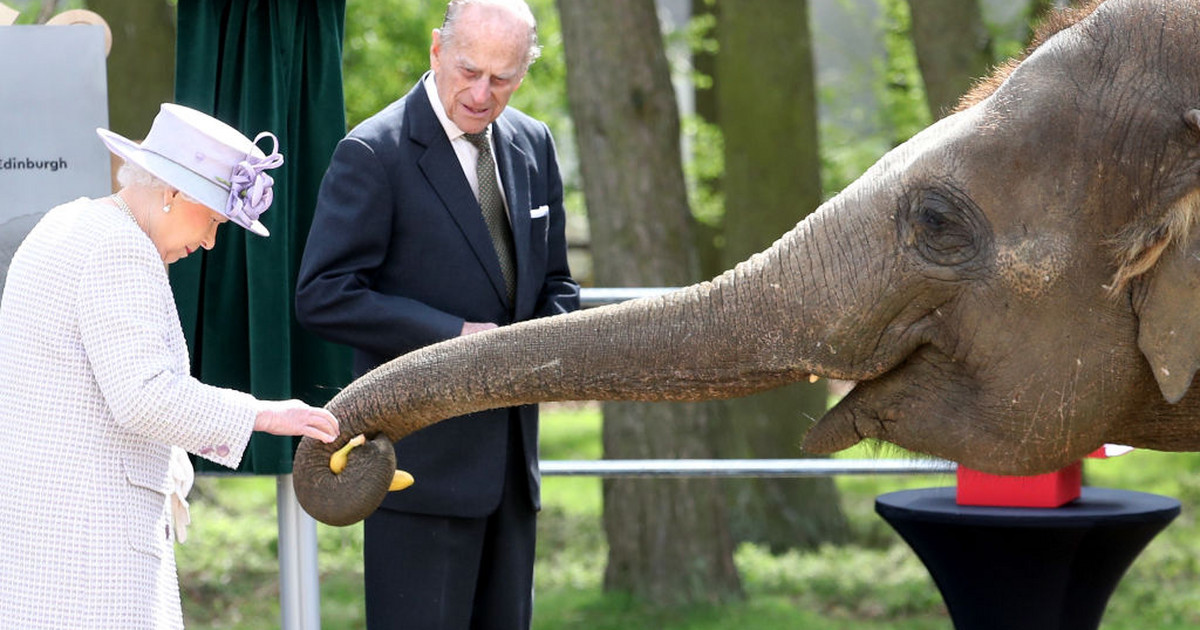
column 53, row 96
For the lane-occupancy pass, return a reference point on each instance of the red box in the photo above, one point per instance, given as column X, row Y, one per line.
column 1049, row 490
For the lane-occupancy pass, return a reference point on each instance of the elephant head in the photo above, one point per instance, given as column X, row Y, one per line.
column 1011, row 288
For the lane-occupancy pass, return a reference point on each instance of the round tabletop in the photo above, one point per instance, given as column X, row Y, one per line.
column 1061, row 564
column 1094, row 506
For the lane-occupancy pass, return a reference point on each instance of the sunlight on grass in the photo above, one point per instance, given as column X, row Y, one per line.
column 571, row 432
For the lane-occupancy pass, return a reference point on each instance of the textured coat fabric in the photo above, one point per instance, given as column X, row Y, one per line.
column 94, row 391
column 399, row 256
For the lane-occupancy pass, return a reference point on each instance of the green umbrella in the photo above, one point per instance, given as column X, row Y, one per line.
column 262, row 66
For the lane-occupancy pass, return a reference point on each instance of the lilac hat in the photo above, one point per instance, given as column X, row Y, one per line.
column 207, row 160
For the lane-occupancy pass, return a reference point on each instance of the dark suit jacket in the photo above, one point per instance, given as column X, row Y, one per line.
column 399, row 257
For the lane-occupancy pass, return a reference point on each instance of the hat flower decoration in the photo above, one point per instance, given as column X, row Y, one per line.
column 207, row 160
column 250, row 191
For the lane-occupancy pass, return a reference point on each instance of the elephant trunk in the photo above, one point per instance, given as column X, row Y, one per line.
column 756, row 327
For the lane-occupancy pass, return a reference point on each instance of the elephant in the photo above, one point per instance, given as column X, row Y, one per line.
column 1010, row 289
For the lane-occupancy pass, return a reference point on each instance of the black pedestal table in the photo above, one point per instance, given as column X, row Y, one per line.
column 1007, row 568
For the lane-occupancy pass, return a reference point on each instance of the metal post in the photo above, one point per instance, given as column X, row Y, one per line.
column 299, row 585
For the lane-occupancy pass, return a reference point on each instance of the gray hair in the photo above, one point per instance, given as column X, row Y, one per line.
column 519, row 7
column 132, row 175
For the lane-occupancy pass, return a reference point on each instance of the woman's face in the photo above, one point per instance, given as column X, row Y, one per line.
column 186, row 228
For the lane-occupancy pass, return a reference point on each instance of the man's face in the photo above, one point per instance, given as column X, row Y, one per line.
column 479, row 70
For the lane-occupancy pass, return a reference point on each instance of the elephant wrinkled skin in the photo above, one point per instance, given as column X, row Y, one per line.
column 1011, row 288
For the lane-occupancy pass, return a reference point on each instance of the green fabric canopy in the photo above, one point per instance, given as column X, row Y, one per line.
column 262, row 65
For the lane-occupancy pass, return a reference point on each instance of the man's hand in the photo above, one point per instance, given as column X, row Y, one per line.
column 294, row 417
column 470, row 328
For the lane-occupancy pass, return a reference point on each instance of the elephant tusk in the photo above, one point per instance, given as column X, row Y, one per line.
column 813, row 378
column 337, row 461
column 400, row 481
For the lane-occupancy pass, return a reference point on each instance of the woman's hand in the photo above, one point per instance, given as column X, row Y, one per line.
column 470, row 328
column 294, row 417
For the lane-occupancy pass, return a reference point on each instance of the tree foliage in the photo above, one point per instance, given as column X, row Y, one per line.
column 386, row 51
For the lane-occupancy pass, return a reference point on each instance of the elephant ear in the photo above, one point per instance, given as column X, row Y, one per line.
column 1169, row 318
column 1168, row 300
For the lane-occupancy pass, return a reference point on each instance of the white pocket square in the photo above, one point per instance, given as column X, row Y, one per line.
column 539, row 212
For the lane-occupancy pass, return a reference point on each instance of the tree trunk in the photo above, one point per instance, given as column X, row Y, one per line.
column 772, row 180
column 141, row 65
column 668, row 540
column 953, row 49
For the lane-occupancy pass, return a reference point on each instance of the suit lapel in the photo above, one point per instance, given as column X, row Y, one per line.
column 442, row 169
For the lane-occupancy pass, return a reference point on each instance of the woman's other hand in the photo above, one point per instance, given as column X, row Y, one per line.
column 294, row 417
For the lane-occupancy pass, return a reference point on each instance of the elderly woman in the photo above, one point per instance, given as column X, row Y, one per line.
column 96, row 397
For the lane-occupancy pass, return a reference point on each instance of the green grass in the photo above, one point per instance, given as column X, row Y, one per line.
column 229, row 567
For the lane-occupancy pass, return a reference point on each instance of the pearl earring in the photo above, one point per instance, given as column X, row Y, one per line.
column 166, row 208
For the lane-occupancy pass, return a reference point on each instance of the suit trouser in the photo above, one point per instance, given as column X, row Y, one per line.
column 426, row 572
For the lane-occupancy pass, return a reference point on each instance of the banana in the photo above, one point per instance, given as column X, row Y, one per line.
column 337, row 461
column 400, row 481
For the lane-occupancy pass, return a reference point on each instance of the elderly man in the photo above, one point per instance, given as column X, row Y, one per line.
column 442, row 216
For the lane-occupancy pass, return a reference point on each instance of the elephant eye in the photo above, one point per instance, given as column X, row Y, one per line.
column 944, row 229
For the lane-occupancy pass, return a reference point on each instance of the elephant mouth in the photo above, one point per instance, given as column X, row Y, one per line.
column 847, row 424
column 934, row 405
column 844, row 425
column 903, row 405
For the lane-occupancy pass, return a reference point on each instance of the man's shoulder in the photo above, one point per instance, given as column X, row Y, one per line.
column 393, row 121
column 524, row 126
column 385, row 122
column 521, row 120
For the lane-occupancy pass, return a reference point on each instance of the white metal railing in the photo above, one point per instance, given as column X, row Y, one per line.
column 813, row 467
column 590, row 297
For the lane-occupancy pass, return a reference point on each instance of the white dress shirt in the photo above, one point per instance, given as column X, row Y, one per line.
column 468, row 154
